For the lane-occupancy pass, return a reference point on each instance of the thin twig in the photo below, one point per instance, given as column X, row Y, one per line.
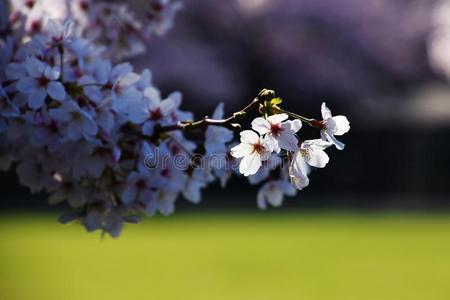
column 228, row 122
column 294, row 115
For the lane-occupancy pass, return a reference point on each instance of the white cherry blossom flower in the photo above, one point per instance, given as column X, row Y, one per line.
column 272, row 192
column 310, row 154
column 151, row 110
column 279, row 133
column 40, row 82
column 124, row 93
column 164, row 202
column 79, row 123
column 298, row 173
column 139, row 187
column 253, row 149
column 60, row 33
column 332, row 126
column 198, row 180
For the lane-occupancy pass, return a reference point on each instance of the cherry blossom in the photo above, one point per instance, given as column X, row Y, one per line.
column 60, row 33
column 139, row 187
column 332, row 126
column 78, row 123
column 310, row 154
column 272, row 192
column 253, row 149
column 40, row 82
column 278, row 134
column 198, row 180
column 151, row 109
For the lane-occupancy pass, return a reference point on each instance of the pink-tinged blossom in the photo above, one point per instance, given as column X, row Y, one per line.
column 279, row 133
column 60, row 33
column 253, row 149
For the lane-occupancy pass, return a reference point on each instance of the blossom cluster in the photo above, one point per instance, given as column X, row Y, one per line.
column 261, row 148
column 101, row 137
column 120, row 30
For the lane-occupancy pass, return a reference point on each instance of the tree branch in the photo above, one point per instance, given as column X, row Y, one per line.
column 230, row 122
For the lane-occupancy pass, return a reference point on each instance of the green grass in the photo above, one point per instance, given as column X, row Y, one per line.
column 229, row 256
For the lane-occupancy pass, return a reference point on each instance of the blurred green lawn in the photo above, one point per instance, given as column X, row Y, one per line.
column 230, row 256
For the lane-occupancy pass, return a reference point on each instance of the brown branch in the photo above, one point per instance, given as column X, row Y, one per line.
column 231, row 122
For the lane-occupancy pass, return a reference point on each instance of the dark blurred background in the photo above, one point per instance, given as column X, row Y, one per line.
column 377, row 62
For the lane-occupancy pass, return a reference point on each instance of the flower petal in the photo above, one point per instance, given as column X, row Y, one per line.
column 129, row 79
column 339, row 145
column 218, row 112
column 37, row 98
column 176, row 98
column 129, row 194
column 167, row 106
column 56, row 90
column 287, row 188
column 35, row 67
column 317, row 158
column 89, row 125
column 342, row 125
column 54, row 27
column 250, row 164
column 275, row 197
column 241, row 150
column 261, row 199
column 278, row 118
column 138, row 113
column 295, row 125
column 26, row 84
column 272, row 143
column 249, row 137
column 59, row 114
column 326, row 113
column 261, row 125
column 288, row 141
